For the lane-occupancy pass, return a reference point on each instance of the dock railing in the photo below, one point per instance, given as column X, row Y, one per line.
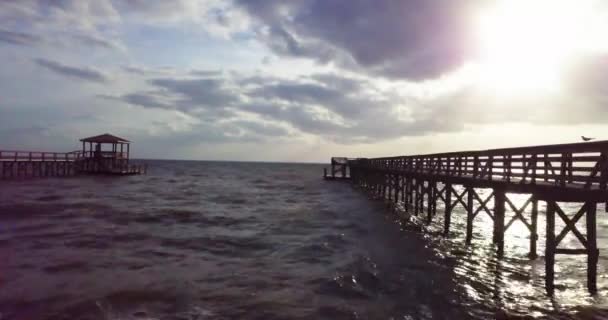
column 578, row 165
column 575, row 173
column 14, row 155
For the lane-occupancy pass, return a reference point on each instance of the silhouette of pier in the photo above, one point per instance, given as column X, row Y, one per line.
column 553, row 174
column 91, row 160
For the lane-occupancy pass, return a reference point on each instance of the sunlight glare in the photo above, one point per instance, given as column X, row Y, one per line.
column 525, row 46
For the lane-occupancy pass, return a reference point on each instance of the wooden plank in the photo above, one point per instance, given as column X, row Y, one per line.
column 470, row 216
column 550, row 248
column 592, row 251
column 570, row 251
column 499, row 220
column 534, row 229
column 447, row 219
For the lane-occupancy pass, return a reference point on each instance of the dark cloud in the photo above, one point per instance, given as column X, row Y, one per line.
column 414, row 39
column 304, row 118
column 145, row 100
column 265, row 129
column 19, row 38
column 341, row 95
column 339, row 108
column 145, row 71
column 136, row 70
column 94, row 41
column 82, row 73
column 206, row 73
column 195, row 93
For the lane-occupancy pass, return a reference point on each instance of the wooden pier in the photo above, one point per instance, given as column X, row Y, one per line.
column 338, row 165
column 91, row 160
column 553, row 174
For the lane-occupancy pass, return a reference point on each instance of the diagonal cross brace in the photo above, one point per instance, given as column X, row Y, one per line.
column 483, row 205
column 570, row 225
column 518, row 213
column 439, row 193
column 459, row 199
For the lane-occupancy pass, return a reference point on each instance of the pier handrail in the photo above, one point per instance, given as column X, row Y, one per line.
column 15, row 155
column 574, row 165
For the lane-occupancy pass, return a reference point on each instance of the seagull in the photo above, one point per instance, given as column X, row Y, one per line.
column 586, row 138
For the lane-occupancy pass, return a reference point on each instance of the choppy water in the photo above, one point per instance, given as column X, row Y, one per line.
column 210, row 240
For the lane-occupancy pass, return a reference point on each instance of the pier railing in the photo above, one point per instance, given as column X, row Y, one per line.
column 577, row 165
column 11, row 155
column 575, row 173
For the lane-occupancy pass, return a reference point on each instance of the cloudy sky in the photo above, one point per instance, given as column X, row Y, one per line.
column 272, row 80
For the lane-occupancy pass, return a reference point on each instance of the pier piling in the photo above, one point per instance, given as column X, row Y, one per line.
column 549, row 175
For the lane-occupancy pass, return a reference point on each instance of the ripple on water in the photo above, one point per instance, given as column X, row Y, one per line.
column 50, row 198
column 220, row 245
column 69, row 267
column 259, row 241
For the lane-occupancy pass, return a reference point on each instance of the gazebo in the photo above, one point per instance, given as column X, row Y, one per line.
column 96, row 159
column 102, row 139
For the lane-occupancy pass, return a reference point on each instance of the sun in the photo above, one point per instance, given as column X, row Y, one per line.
column 524, row 46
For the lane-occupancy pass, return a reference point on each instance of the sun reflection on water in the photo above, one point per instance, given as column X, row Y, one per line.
column 516, row 282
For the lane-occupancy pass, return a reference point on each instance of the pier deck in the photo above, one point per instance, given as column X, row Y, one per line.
column 575, row 173
column 23, row 164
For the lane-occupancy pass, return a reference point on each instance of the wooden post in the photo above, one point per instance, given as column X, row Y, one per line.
column 592, row 251
column 550, row 248
column 333, row 165
column 499, row 220
column 507, row 164
column 324, row 169
column 396, row 185
column 470, row 216
column 377, row 176
column 534, row 165
column 391, row 185
column 490, row 167
column 417, row 197
column 435, row 198
column 429, row 206
column 448, row 209
column 410, row 193
column 403, row 191
column 570, row 172
column 563, row 170
column 384, row 186
column 546, row 166
column 422, row 194
column 534, row 231
column 475, row 166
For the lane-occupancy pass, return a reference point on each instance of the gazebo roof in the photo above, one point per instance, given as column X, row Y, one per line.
column 105, row 138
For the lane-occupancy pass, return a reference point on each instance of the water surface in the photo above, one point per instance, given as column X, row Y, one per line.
column 213, row 240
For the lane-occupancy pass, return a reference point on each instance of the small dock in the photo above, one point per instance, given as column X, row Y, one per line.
column 339, row 169
column 554, row 174
column 93, row 158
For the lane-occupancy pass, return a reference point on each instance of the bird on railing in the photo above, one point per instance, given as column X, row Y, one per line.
column 586, row 138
